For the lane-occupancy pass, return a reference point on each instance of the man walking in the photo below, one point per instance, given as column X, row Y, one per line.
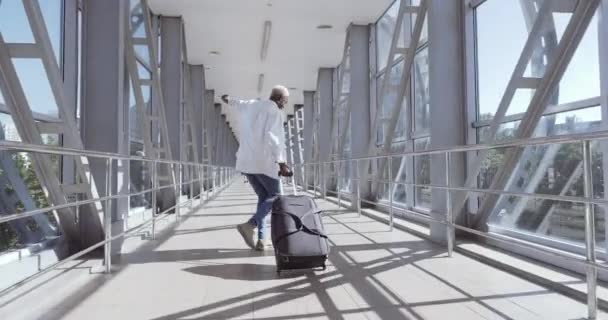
column 261, row 156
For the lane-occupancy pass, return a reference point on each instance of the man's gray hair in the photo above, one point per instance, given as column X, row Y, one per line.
column 280, row 90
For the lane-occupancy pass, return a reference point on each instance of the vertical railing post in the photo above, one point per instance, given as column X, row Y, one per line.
column 201, row 170
column 324, row 174
column 154, row 194
column 448, row 203
column 338, row 180
column 213, row 181
column 107, row 218
column 315, row 178
column 589, row 232
column 358, row 171
column 178, row 190
column 305, row 178
column 192, row 183
column 390, row 193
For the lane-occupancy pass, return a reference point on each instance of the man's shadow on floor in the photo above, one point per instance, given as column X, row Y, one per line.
column 245, row 271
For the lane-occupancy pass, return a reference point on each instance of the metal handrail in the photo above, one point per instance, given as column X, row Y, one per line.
column 562, row 139
column 63, row 151
column 216, row 174
column 320, row 174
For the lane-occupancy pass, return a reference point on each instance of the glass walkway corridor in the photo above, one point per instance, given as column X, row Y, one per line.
column 200, row 269
column 457, row 150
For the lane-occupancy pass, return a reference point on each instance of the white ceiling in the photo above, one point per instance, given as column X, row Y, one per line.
column 297, row 49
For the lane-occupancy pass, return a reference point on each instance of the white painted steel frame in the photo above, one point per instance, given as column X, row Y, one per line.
column 584, row 140
column 404, row 81
column 31, row 132
column 109, row 237
column 153, row 119
column 546, row 85
column 189, row 131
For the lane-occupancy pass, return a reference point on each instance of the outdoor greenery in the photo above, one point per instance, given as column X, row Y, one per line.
column 8, row 237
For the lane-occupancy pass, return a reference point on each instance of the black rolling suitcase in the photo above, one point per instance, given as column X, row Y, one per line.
column 297, row 234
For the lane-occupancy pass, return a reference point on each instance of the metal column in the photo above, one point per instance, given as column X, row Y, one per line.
column 447, row 109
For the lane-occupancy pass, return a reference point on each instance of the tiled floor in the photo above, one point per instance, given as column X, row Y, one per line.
column 202, row 270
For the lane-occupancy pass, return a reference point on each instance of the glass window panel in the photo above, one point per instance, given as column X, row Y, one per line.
column 388, row 103
column 577, row 121
column 137, row 19
column 140, row 179
column 559, row 173
column 384, row 34
column 399, row 171
column 142, row 53
column 345, row 174
column 13, row 23
column 519, row 103
column 79, row 81
column 401, row 166
column 501, row 35
column 422, row 169
column 499, row 47
column 582, row 77
column 422, row 110
column 52, row 15
column 2, row 101
column 8, row 128
column 381, row 114
column 143, row 72
column 36, row 86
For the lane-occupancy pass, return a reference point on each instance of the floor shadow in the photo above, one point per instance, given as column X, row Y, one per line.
column 248, row 204
column 246, row 271
column 182, row 232
column 188, row 255
column 206, row 215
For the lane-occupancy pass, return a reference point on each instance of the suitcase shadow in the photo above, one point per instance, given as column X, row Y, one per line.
column 246, row 272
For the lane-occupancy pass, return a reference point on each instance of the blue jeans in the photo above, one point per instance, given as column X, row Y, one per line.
column 267, row 189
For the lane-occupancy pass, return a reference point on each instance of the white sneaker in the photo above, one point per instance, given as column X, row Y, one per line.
column 263, row 245
column 247, row 231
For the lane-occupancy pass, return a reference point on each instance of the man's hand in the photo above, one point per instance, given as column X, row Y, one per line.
column 284, row 170
column 225, row 98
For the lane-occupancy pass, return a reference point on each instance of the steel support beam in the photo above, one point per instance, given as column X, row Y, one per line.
column 359, row 98
column 307, row 137
column 546, row 87
column 171, row 80
column 197, row 74
column 447, row 105
column 105, row 114
column 325, row 98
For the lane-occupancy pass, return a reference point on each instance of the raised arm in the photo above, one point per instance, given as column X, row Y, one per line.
column 236, row 103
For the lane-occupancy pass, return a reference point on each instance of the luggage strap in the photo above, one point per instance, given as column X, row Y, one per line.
column 300, row 225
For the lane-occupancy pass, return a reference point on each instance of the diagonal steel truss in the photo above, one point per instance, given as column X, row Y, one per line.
column 409, row 53
column 341, row 100
column 31, row 131
column 545, row 86
column 521, row 178
column 153, row 120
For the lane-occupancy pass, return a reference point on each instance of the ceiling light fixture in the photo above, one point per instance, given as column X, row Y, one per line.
column 260, row 82
column 324, row 26
column 214, row 53
column 266, row 39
